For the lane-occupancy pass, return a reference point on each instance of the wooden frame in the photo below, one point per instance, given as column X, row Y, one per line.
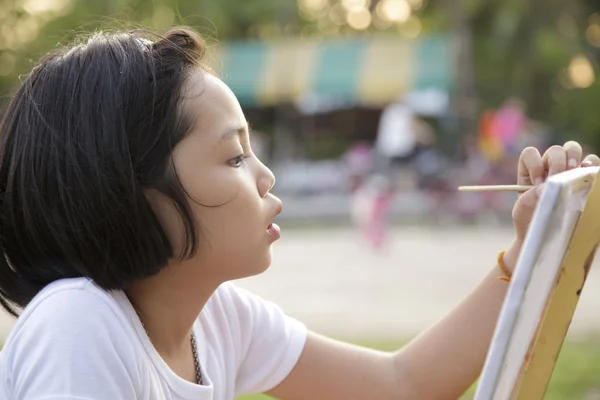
column 545, row 288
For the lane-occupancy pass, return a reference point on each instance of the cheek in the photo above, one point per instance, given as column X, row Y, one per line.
column 205, row 181
column 233, row 224
column 234, row 237
column 229, row 211
column 214, row 189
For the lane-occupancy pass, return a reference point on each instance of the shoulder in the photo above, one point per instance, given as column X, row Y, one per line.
column 241, row 318
column 265, row 342
column 72, row 329
column 66, row 304
column 238, row 305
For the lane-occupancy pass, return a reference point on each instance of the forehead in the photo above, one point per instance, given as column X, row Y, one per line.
column 211, row 104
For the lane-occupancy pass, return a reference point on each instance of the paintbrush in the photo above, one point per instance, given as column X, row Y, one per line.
column 495, row 188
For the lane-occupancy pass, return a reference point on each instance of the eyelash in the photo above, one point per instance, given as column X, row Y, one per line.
column 237, row 162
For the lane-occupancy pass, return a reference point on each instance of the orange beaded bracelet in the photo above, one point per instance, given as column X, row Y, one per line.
column 502, row 266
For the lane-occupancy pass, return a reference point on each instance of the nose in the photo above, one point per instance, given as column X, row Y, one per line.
column 266, row 180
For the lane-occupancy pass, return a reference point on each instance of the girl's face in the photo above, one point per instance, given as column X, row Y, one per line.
column 228, row 187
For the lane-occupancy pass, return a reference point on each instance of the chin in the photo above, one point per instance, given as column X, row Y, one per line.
column 264, row 263
column 260, row 265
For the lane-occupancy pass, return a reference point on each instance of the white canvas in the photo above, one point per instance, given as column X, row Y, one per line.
column 537, row 269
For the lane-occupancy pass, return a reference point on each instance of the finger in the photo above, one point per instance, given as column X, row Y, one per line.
column 525, row 205
column 531, row 167
column 574, row 153
column 591, row 160
column 555, row 160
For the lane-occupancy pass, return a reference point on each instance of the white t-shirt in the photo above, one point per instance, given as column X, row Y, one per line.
column 75, row 341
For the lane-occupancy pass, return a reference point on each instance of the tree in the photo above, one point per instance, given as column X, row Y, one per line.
column 35, row 28
column 543, row 51
column 537, row 50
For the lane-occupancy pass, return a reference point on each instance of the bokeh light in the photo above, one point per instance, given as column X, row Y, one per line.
column 581, row 72
column 594, row 19
column 312, row 4
column 393, row 10
column 26, row 29
column 592, row 35
column 415, row 4
column 312, row 10
column 35, row 7
column 567, row 26
column 359, row 19
column 411, row 28
column 338, row 14
column 356, row 5
column 379, row 22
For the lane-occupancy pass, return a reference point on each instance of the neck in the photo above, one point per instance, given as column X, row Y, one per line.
column 168, row 304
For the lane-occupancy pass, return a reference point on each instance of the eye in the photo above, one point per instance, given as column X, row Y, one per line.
column 238, row 161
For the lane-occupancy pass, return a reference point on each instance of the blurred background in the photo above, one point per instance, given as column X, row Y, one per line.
column 371, row 113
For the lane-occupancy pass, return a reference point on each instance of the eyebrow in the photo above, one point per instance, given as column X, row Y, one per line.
column 237, row 131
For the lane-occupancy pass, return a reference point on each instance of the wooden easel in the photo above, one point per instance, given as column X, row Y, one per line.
column 524, row 374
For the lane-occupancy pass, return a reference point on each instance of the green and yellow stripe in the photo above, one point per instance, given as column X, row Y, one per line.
column 371, row 71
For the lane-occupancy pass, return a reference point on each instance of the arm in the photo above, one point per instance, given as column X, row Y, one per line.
column 443, row 361
column 439, row 364
column 452, row 353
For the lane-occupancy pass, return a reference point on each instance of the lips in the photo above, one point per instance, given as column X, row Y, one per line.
column 273, row 229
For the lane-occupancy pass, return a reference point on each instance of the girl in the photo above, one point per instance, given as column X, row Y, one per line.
column 130, row 197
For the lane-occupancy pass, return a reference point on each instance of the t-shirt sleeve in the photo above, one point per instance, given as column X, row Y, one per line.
column 270, row 343
column 72, row 346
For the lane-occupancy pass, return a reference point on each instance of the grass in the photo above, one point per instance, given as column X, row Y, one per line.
column 576, row 375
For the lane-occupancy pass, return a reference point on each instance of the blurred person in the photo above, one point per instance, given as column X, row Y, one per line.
column 501, row 131
column 426, row 159
column 130, row 198
column 489, row 143
column 370, row 196
column 359, row 160
column 510, row 123
column 395, row 142
column 370, row 210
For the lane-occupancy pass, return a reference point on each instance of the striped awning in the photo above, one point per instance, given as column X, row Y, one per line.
column 361, row 70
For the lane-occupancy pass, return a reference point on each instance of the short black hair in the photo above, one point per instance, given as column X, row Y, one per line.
column 85, row 137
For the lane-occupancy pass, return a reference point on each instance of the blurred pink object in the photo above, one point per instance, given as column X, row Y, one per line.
column 359, row 159
column 371, row 208
column 509, row 123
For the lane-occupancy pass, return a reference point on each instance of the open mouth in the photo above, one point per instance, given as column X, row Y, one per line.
column 273, row 229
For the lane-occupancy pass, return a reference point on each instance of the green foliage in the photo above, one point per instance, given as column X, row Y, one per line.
column 520, row 48
column 217, row 20
column 524, row 49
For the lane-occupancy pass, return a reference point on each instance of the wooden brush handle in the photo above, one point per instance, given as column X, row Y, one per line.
column 495, row 188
